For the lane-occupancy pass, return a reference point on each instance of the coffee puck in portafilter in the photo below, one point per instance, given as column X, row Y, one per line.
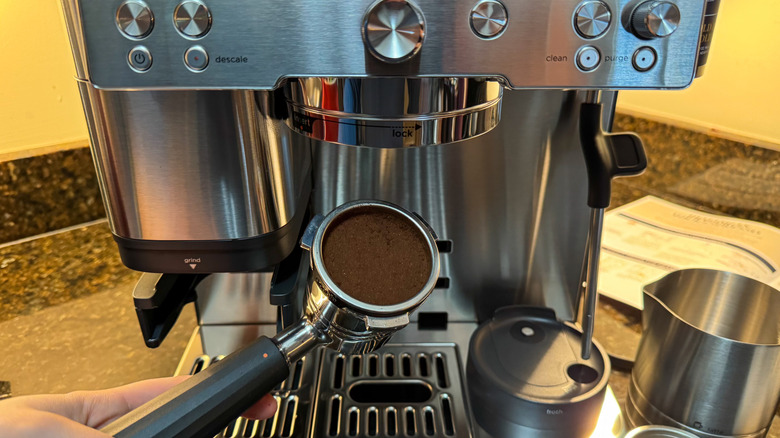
column 375, row 258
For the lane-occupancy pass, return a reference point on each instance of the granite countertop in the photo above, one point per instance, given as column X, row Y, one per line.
column 66, row 311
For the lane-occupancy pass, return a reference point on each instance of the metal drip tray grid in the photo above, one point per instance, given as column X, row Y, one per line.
column 410, row 390
column 293, row 398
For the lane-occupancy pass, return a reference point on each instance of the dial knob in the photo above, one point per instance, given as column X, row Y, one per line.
column 134, row 19
column 592, row 18
column 192, row 18
column 394, row 30
column 655, row 19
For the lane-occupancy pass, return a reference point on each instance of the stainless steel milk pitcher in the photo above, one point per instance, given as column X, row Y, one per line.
column 709, row 358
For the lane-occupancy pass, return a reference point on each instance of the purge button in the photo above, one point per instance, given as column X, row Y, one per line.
column 139, row 59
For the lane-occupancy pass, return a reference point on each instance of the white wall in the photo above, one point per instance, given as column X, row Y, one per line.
column 40, row 109
column 738, row 97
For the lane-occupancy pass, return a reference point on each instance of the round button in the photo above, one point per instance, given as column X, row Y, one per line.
column 488, row 19
column 592, row 19
column 134, row 19
column 196, row 58
column 655, row 19
column 644, row 58
column 588, row 58
column 394, row 30
column 192, row 18
column 139, row 59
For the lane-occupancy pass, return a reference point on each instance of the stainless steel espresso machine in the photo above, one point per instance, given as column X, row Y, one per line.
column 220, row 127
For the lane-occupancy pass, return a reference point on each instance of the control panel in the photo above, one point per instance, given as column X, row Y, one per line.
column 254, row 44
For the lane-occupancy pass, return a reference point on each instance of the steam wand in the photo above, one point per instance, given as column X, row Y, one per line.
column 606, row 156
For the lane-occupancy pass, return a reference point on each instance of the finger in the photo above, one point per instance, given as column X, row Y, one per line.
column 102, row 407
column 265, row 408
column 31, row 423
column 96, row 408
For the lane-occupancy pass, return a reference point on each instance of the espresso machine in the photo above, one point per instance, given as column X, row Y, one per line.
column 220, row 128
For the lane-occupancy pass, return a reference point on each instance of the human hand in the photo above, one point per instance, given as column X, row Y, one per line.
column 78, row 414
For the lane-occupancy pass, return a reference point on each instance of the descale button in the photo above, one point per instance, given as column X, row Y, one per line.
column 644, row 58
column 139, row 59
column 588, row 58
column 196, row 58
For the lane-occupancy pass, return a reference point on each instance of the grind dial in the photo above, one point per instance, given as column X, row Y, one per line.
column 655, row 19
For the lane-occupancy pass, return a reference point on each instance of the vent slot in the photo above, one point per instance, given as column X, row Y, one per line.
column 441, row 371
column 338, row 373
column 411, row 423
column 353, row 422
column 424, row 365
column 229, row 431
column 444, row 246
column 297, row 375
column 397, row 392
column 442, row 283
column 389, row 365
column 373, row 365
column 251, row 429
column 289, row 418
column 357, row 366
column 430, row 424
column 200, row 363
column 446, row 413
column 335, row 416
column 406, row 365
column 432, row 320
column 373, row 422
column 391, row 419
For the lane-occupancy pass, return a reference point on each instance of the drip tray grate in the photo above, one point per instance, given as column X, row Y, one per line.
column 293, row 398
column 410, row 390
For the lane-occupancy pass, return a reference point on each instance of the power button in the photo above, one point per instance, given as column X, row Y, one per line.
column 139, row 59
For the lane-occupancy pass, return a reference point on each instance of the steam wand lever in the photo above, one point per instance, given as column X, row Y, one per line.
column 606, row 156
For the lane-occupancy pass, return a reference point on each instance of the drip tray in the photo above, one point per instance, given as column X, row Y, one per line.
column 293, row 397
column 400, row 390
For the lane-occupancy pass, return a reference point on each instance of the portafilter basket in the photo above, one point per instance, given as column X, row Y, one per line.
column 346, row 322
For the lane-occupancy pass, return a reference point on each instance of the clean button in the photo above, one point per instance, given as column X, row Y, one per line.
column 139, row 59
column 196, row 58
column 588, row 58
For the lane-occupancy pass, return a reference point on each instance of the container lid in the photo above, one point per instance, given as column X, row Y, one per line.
column 526, row 352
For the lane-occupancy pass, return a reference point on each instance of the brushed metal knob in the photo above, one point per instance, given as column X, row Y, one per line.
column 394, row 30
column 655, row 19
column 134, row 19
column 192, row 18
column 489, row 18
column 592, row 19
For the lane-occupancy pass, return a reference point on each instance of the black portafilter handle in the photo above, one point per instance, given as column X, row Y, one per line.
column 207, row 402
column 607, row 155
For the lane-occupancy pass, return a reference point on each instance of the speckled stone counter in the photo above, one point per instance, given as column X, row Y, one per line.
column 47, row 193
column 67, row 320
column 66, row 315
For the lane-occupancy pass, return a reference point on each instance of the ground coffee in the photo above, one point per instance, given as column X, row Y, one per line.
column 376, row 256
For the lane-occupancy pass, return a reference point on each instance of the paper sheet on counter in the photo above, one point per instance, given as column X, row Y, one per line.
column 648, row 238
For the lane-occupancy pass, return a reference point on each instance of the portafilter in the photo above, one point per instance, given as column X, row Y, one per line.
column 372, row 264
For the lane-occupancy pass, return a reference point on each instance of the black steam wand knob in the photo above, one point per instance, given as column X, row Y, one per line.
column 607, row 156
